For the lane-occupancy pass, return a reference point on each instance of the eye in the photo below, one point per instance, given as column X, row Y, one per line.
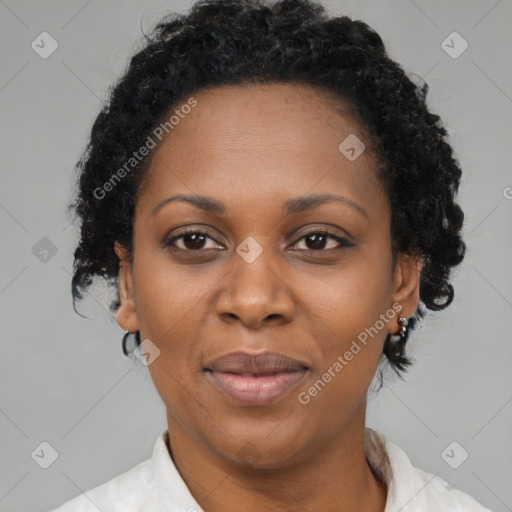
column 318, row 238
column 192, row 240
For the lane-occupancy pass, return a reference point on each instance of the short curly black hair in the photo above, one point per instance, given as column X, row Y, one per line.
column 230, row 42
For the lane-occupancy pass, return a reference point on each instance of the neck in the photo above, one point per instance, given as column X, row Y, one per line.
column 336, row 478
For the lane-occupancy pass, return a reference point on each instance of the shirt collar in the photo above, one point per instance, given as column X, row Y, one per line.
column 173, row 492
column 393, row 467
column 390, row 463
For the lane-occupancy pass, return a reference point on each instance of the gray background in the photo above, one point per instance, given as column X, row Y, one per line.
column 64, row 379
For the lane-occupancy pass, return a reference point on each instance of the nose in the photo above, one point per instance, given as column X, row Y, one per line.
column 256, row 293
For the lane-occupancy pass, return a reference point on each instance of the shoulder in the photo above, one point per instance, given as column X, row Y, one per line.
column 440, row 495
column 128, row 492
column 411, row 489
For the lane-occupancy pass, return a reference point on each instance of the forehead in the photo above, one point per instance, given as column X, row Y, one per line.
column 262, row 141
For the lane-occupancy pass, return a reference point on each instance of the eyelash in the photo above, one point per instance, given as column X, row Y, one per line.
column 344, row 243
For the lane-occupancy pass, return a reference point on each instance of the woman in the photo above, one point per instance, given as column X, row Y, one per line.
column 275, row 205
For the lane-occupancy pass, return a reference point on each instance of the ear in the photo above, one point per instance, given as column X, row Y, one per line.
column 406, row 287
column 126, row 315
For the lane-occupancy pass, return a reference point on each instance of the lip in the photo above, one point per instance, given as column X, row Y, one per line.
column 255, row 379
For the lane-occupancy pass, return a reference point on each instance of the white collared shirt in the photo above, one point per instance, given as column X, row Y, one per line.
column 155, row 485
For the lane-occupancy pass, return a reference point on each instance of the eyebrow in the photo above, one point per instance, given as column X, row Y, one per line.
column 291, row 206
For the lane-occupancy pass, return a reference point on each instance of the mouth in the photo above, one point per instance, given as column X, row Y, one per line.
column 255, row 379
column 256, row 389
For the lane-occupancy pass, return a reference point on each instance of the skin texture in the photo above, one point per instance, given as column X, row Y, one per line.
column 252, row 148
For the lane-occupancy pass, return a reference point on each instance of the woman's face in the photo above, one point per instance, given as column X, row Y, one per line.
column 261, row 277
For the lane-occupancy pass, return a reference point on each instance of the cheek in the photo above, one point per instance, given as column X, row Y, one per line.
column 168, row 305
column 349, row 345
column 166, row 295
column 351, row 310
column 350, row 298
